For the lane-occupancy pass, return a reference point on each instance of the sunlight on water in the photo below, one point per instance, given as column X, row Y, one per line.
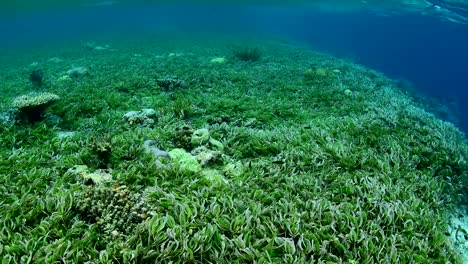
column 450, row 10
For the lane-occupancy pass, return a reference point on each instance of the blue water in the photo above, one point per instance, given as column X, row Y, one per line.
column 429, row 53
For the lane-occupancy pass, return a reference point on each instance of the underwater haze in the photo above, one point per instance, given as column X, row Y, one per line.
column 407, row 40
column 234, row 132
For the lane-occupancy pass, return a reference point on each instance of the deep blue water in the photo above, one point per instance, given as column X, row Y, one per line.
column 430, row 53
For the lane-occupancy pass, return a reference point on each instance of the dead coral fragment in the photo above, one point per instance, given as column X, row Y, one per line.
column 207, row 156
column 145, row 117
column 183, row 137
column 84, row 175
column 320, row 75
column 37, row 77
column 170, row 84
column 30, row 108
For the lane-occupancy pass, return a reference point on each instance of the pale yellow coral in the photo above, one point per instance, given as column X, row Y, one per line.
column 83, row 174
column 34, row 100
column 29, row 108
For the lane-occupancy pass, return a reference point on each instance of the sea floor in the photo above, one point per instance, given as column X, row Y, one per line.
column 177, row 150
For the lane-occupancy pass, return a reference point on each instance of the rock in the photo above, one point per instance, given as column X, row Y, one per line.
column 115, row 234
column 65, row 134
column 131, row 114
column 219, row 60
column 150, row 148
column 101, row 47
column 37, row 77
column 78, row 73
column 5, row 119
column 55, row 60
column 89, row 45
column 149, row 113
column 64, row 78
column 175, row 54
column 94, row 46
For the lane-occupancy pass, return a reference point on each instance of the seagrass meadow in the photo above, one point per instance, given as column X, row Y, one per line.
column 175, row 150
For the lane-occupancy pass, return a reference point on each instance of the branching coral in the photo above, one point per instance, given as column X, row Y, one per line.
column 115, row 209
